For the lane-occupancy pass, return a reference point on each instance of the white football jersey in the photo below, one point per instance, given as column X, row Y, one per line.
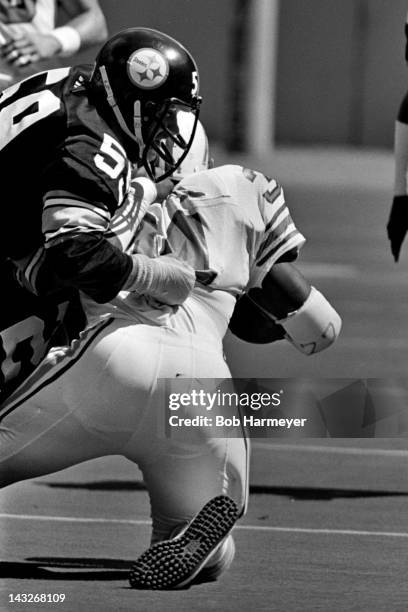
column 231, row 224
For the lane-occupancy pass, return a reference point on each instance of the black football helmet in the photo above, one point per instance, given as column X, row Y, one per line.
column 145, row 77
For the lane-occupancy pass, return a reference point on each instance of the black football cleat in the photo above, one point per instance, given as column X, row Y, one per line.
column 174, row 563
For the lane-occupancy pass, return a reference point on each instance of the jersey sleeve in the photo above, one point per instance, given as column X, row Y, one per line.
column 280, row 239
column 82, row 190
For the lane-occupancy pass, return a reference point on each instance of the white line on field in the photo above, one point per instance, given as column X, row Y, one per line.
column 107, row 521
column 353, row 532
column 74, row 519
column 342, row 450
column 321, row 270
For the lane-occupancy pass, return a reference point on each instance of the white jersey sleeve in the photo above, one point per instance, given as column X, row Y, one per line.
column 280, row 240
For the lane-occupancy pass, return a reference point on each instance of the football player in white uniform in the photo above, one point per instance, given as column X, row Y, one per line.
column 82, row 130
column 107, row 393
column 30, row 40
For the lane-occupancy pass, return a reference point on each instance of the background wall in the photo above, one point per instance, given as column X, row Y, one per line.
column 341, row 70
column 203, row 27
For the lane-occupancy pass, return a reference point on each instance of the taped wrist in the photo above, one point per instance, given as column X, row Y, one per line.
column 143, row 275
column 69, row 39
column 145, row 189
column 164, row 278
column 314, row 326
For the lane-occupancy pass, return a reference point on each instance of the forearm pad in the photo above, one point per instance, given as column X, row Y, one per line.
column 313, row 327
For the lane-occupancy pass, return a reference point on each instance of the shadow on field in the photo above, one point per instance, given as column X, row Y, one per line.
column 298, row 493
column 62, row 568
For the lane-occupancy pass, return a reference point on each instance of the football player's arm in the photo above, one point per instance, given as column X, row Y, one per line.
column 87, row 18
column 286, row 306
column 90, row 263
column 78, row 254
column 397, row 225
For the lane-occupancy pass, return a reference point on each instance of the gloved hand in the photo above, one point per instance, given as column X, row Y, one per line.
column 166, row 278
column 397, row 226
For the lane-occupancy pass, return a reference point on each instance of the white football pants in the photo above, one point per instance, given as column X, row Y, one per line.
column 102, row 397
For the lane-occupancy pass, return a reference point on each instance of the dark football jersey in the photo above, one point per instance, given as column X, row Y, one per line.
column 30, row 325
column 63, row 175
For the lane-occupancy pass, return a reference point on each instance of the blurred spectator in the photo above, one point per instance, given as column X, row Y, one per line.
column 30, row 42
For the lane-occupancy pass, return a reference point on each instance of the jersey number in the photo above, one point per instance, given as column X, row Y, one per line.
column 112, row 158
column 22, row 113
column 24, row 344
column 27, row 110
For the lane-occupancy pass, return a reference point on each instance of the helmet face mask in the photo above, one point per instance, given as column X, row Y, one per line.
column 145, row 77
column 186, row 154
column 166, row 145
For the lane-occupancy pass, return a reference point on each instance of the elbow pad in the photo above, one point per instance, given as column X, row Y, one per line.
column 314, row 326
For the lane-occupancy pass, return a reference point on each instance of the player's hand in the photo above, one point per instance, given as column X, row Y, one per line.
column 164, row 187
column 397, row 226
column 174, row 280
column 30, row 48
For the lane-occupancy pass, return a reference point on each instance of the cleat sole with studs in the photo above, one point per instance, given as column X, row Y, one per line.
column 174, row 563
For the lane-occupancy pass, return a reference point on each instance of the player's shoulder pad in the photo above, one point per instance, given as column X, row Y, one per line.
column 97, row 165
column 224, row 180
column 206, row 184
column 235, row 174
column 90, row 143
column 250, row 180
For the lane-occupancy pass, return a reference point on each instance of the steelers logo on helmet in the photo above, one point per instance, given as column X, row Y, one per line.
column 148, row 68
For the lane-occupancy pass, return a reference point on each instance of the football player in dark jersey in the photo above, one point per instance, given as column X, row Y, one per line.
column 104, row 393
column 69, row 140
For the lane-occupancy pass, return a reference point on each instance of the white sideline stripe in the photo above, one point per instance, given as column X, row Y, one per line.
column 342, row 450
column 75, row 519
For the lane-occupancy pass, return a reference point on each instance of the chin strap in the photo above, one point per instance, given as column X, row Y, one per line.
column 137, row 119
